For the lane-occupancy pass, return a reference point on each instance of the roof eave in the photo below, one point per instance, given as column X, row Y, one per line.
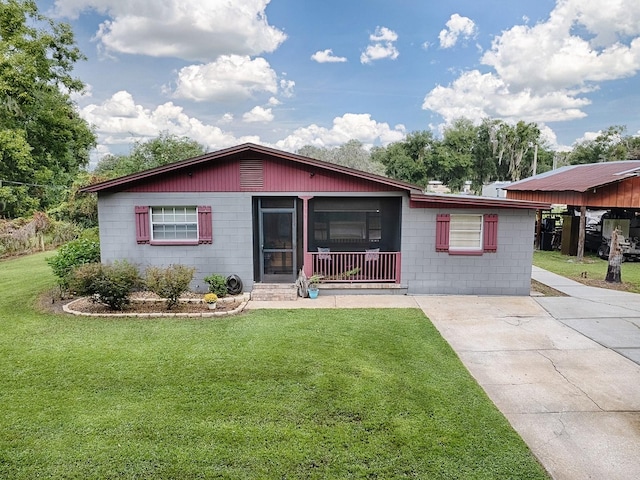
column 477, row 202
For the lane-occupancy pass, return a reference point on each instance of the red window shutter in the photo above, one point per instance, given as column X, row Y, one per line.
column 205, row 227
column 442, row 232
column 490, row 233
column 142, row 224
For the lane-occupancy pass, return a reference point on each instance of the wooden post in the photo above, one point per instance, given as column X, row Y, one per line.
column 308, row 259
column 581, row 233
column 614, row 274
column 538, row 237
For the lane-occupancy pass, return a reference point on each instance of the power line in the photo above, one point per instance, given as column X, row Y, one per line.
column 30, row 184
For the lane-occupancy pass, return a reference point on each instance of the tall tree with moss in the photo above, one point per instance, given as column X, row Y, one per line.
column 43, row 141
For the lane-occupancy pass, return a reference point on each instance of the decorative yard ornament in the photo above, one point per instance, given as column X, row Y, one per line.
column 615, row 259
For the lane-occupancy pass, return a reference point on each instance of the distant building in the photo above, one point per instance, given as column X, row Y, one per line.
column 495, row 190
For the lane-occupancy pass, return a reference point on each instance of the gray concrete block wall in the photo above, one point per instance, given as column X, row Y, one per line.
column 505, row 272
column 424, row 271
column 230, row 253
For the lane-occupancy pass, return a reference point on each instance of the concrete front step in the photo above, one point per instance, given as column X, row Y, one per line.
column 274, row 292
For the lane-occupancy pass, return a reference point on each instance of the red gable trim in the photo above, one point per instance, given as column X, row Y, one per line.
column 246, row 151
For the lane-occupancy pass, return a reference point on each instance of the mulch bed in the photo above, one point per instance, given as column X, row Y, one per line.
column 141, row 303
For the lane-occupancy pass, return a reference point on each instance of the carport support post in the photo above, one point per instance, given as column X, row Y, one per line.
column 538, row 239
column 581, row 232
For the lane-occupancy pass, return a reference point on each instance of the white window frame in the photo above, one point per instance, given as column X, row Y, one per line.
column 466, row 232
column 165, row 216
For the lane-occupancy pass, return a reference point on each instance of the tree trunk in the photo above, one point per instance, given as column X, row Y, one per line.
column 615, row 259
column 581, row 233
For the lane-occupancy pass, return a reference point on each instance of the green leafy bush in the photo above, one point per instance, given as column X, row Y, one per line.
column 111, row 285
column 73, row 254
column 217, row 284
column 170, row 282
column 81, row 278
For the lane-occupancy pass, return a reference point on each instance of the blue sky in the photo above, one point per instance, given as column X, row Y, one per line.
column 288, row 73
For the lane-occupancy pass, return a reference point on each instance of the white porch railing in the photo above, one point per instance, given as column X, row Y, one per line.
column 354, row 267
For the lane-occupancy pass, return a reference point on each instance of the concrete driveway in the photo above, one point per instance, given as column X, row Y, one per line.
column 575, row 402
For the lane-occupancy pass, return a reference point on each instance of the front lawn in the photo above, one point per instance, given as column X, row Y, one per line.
column 266, row 395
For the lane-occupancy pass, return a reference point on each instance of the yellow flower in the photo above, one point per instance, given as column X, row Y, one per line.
column 211, row 298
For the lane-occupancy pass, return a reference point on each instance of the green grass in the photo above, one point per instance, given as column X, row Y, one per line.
column 266, row 395
column 595, row 268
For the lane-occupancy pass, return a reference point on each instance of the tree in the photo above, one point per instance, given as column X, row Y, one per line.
column 608, row 146
column 452, row 161
column 407, row 160
column 51, row 142
column 513, row 143
column 352, row 154
column 156, row 152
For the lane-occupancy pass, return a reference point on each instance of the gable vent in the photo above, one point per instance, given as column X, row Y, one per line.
column 251, row 174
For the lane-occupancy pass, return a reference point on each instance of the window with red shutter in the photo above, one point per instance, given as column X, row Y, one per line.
column 470, row 236
column 182, row 225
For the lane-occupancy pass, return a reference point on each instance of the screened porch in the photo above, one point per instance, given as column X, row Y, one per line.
column 355, row 239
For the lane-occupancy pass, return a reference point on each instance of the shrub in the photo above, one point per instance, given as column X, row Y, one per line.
column 108, row 284
column 170, row 282
column 73, row 254
column 217, row 284
column 82, row 277
column 62, row 232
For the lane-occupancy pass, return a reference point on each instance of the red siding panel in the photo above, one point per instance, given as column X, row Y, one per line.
column 442, row 232
column 277, row 176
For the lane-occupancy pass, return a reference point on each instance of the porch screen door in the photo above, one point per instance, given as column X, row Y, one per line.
column 278, row 244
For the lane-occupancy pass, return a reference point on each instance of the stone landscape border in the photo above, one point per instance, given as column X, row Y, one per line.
column 243, row 298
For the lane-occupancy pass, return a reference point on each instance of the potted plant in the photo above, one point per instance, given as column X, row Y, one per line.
column 314, row 280
column 211, row 299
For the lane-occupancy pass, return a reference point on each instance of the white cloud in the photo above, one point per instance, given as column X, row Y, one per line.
column 476, row 96
column 226, row 118
column 120, row 121
column 383, row 34
column 549, row 56
column 327, row 56
column 383, row 46
column 229, row 77
column 286, row 87
column 348, row 127
column 258, row 115
column 457, row 27
column 273, row 101
column 187, row 29
column 542, row 73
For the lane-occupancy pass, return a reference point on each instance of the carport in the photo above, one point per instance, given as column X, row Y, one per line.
column 610, row 185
